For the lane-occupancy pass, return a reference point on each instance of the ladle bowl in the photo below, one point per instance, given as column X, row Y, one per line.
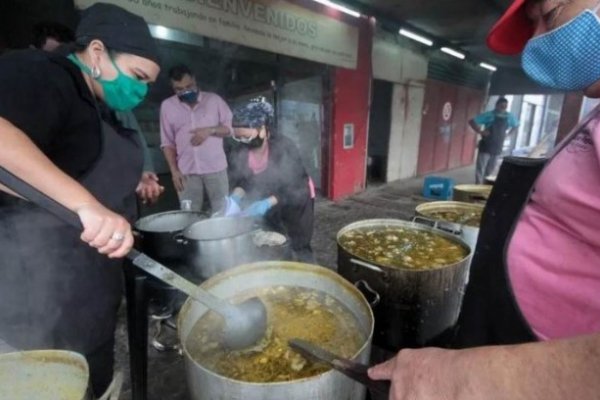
column 245, row 323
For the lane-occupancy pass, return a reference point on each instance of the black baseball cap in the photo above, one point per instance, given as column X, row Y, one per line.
column 118, row 29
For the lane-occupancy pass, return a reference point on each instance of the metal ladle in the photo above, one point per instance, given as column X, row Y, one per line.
column 245, row 323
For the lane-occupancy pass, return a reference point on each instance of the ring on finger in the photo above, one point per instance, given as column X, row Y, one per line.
column 118, row 236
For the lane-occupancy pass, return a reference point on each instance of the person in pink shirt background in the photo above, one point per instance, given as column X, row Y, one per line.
column 530, row 322
column 193, row 124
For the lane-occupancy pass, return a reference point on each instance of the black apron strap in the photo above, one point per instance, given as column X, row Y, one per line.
column 489, row 314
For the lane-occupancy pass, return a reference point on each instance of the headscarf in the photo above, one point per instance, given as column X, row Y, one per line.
column 254, row 113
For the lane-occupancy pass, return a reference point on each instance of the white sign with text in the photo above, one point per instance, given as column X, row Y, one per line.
column 273, row 25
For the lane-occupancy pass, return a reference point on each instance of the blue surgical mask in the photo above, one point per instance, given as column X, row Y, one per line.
column 189, row 96
column 566, row 58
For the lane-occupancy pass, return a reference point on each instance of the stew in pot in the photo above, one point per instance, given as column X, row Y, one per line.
column 294, row 312
column 397, row 247
column 463, row 217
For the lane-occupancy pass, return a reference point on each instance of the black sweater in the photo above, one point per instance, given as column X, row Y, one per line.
column 285, row 176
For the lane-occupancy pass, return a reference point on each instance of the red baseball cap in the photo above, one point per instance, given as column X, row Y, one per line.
column 512, row 32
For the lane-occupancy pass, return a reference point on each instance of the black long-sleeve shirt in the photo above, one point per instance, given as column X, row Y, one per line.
column 45, row 95
column 285, row 176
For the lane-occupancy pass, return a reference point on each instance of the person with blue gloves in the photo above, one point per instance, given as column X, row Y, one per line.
column 266, row 172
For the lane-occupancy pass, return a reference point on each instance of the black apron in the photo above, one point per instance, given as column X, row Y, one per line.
column 494, row 141
column 490, row 314
column 56, row 291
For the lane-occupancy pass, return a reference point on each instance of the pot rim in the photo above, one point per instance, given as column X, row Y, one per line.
column 450, row 206
column 241, row 220
column 473, row 188
column 404, row 224
column 152, row 217
column 261, row 265
column 65, row 358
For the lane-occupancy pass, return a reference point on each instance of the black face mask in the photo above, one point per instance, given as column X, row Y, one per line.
column 189, row 96
column 255, row 143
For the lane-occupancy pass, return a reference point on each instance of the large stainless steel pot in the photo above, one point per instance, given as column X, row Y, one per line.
column 48, row 375
column 206, row 385
column 156, row 233
column 466, row 232
column 412, row 307
column 218, row 244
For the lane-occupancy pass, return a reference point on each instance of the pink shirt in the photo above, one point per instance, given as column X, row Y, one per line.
column 177, row 119
column 554, row 255
column 258, row 164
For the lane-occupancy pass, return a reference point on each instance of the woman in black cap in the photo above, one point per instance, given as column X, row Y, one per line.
column 61, row 288
column 266, row 169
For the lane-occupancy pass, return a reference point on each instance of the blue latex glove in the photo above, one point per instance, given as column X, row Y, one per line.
column 231, row 207
column 258, row 208
column 236, row 198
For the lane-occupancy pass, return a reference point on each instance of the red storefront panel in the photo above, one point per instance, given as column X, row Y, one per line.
column 428, row 128
column 446, row 140
column 475, row 102
column 445, row 126
column 461, row 119
column 351, row 94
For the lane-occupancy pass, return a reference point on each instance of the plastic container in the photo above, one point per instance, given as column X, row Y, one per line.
column 438, row 188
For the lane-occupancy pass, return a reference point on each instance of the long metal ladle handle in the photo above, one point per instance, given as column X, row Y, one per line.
column 139, row 259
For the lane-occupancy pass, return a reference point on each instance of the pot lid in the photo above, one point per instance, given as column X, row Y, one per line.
column 168, row 222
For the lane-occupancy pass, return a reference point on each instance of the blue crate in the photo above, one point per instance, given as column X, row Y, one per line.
column 438, row 188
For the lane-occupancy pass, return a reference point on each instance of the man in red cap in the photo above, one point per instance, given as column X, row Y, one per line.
column 530, row 322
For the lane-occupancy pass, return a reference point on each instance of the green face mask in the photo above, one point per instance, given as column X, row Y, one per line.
column 123, row 93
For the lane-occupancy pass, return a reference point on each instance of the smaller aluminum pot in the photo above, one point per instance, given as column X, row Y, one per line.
column 156, row 233
column 49, row 375
column 217, row 244
column 466, row 232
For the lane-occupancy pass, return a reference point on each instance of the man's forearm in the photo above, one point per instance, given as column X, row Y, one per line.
column 171, row 157
column 474, row 126
column 221, row 131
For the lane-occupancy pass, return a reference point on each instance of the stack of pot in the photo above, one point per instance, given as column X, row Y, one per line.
column 204, row 246
column 156, row 234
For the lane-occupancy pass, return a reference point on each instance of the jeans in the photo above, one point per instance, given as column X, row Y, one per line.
column 485, row 166
column 216, row 185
